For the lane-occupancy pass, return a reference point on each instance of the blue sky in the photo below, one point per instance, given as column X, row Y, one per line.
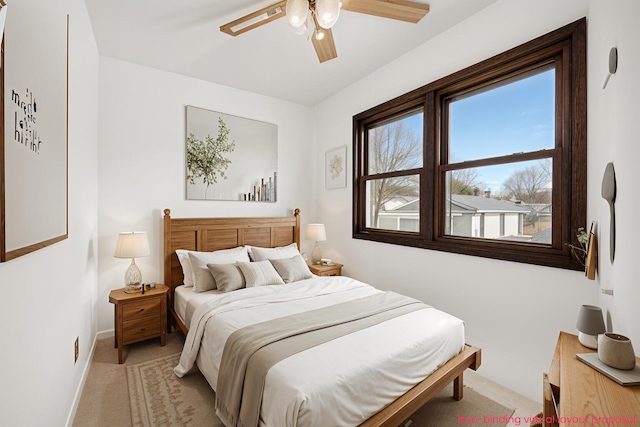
column 512, row 118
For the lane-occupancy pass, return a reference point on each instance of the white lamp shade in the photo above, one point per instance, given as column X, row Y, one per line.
column 316, row 232
column 327, row 12
column 297, row 12
column 132, row 245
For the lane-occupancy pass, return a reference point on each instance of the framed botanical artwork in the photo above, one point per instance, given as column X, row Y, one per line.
column 34, row 137
column 230, row 157
column 335, row 169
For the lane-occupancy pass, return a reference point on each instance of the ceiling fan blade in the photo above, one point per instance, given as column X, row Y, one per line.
column 402, row 10
column 255, row 19
column 325, row 48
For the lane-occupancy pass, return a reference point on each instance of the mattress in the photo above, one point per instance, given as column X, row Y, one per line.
column 186, row 301
column 342, row 382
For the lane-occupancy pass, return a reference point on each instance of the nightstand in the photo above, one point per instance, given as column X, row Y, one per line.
column 139, row 317
column 334, row 269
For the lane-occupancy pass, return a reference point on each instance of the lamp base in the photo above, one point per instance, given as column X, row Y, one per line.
column 316, row 255
column 132, row 279
column 589, row 341
column 132, row 289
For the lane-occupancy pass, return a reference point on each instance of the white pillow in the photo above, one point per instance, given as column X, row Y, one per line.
column 203, row 280
column 261, row 254
column 183, row 256
column 259, row 273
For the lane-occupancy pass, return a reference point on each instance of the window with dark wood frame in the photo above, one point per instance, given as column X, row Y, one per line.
column 419, row 190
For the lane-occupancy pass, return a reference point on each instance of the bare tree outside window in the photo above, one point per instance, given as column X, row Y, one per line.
column 393, row 147
column 466, row 182
column 530, row 185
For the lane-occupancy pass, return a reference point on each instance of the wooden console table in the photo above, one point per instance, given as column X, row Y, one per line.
column 584, row 396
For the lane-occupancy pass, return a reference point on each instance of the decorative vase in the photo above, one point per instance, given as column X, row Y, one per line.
column 616, row 351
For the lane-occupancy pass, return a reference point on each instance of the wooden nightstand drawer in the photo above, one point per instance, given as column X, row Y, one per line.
column 332, row 272
column 141, row 329
column 334, row 269
column 143, row 308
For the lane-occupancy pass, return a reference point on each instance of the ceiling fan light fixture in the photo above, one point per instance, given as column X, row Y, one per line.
column 297, row 12
column 319, row 34
column 327, row 12
column 301, row 29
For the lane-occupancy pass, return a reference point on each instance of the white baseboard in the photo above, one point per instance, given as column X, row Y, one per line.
column 105, row 334
column 78, row 395
column 85, row 373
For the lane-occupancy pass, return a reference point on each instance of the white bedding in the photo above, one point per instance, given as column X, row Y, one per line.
column 186, row 300
column 339, row 383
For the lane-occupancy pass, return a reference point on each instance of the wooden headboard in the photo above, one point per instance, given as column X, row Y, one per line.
column 212, row 234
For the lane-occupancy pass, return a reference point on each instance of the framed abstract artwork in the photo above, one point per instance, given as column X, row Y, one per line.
column 335, row 172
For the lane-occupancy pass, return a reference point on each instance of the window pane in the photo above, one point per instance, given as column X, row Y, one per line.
column 513, row 116
column 394, row 203
column 507, row 202
column 396, row 145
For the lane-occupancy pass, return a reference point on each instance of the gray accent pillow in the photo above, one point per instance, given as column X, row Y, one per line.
column 259, row 273
column 292, row 269
column 228, row 277
column 203, row 280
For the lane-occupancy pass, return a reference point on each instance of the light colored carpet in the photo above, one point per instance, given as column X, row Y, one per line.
column 159, row 398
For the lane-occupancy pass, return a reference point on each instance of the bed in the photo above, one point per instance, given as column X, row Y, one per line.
column 214, row 234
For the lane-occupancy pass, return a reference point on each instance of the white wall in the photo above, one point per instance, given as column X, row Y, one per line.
column 613, row 137
column 49, row 296
column 513, row 311
column 142, row 162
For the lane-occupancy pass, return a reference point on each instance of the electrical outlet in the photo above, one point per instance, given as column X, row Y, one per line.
column 76, row 351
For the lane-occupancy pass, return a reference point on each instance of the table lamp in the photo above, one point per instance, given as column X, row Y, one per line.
column 316, row 232
column 132, row 245
column 590, row 324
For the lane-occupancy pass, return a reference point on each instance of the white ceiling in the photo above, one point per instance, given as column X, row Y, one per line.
column 183, row 37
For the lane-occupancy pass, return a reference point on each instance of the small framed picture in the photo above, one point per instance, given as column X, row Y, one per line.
column 335, row 171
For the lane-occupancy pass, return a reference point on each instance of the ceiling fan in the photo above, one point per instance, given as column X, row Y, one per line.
column 320, row 15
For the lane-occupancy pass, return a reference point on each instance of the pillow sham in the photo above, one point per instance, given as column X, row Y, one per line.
column 185, row 263
column 203, row 279
column 292, row 269
column 259, row 273
column 227, row 277
column 262, row 254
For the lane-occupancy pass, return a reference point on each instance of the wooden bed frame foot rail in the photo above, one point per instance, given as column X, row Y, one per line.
column 403, row 407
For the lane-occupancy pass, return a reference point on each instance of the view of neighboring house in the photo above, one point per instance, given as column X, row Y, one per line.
column 479, row 216
column 473, row 216
column 401, row 213
column 539, row 219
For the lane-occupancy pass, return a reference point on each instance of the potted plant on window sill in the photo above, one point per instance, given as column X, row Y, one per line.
column 585, row 253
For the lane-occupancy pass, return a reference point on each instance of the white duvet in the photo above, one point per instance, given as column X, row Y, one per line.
column 339, row 383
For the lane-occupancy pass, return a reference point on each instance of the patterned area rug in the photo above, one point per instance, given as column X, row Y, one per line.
column 159, row 398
